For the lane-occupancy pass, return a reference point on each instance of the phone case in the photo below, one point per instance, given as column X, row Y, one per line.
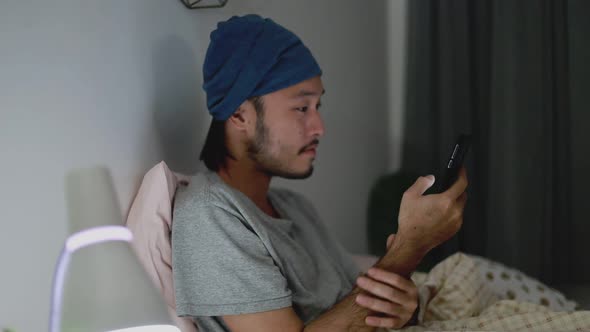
column 454, row 163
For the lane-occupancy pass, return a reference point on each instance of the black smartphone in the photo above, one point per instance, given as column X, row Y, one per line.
column 453, row 165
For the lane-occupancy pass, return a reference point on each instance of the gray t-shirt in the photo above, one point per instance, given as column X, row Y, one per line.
column 229, row 257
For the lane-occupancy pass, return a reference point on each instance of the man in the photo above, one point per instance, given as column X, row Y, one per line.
column 250, row 258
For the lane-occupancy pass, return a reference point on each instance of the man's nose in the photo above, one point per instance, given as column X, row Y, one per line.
column 316, row 124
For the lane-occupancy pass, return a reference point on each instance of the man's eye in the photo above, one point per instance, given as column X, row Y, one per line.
column 301, row 109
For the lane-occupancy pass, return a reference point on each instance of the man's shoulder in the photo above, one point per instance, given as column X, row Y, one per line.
column 203, row 191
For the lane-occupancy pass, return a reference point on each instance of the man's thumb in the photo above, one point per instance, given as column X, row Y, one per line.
column 421, row 185
column 389, row 241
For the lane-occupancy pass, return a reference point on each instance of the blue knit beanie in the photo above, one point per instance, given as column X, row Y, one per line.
column 251, row 56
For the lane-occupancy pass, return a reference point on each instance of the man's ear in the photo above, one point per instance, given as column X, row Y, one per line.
column 244, row 117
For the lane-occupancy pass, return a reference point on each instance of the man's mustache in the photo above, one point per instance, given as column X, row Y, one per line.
column 313, row 143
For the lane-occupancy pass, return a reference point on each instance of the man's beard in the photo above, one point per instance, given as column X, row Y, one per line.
column 258, row 152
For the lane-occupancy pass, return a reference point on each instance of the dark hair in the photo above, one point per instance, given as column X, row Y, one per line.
column 214, row 152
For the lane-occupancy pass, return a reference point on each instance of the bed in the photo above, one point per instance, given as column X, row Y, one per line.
column 461, row 293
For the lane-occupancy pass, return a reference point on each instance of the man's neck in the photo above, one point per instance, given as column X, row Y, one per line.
column 250, row 182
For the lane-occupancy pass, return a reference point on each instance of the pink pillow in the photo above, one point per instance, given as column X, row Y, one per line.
column 150, row 221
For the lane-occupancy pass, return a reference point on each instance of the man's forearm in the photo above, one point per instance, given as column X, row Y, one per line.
column 347, row 315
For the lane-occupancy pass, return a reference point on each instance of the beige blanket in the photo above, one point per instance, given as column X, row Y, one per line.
column 454, row 296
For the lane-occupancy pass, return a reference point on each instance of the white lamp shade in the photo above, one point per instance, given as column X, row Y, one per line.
column 99, row 284
column 106, row 289
column 91, row 199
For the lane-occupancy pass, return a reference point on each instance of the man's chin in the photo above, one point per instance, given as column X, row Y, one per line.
column 295, row 175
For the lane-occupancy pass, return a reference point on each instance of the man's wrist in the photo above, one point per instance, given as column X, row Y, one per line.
column 403, row 257
column 403, row 245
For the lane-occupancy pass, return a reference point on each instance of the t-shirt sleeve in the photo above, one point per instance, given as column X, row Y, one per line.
column 221, row 267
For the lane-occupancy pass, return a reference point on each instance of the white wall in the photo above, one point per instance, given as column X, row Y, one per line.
column 396, row 30
column 118, row 83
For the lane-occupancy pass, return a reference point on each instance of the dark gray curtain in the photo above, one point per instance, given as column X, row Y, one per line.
column 515, row 75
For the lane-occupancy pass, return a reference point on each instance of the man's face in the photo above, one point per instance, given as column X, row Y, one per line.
column 287, row 135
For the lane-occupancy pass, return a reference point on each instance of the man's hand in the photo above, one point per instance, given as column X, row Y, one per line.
column 425, row 221
column 390, row 294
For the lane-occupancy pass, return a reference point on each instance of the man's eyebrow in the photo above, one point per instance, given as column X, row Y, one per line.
column 306, row 93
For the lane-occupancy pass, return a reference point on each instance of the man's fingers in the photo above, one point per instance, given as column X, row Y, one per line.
column 389, row 294
column 459, row 186
column 462, row 200
column 460, row 206
column 383, row 290
column 391, row 279
column 390, row 241
column 378, row 305
column 421, row 185
column 387, row 322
